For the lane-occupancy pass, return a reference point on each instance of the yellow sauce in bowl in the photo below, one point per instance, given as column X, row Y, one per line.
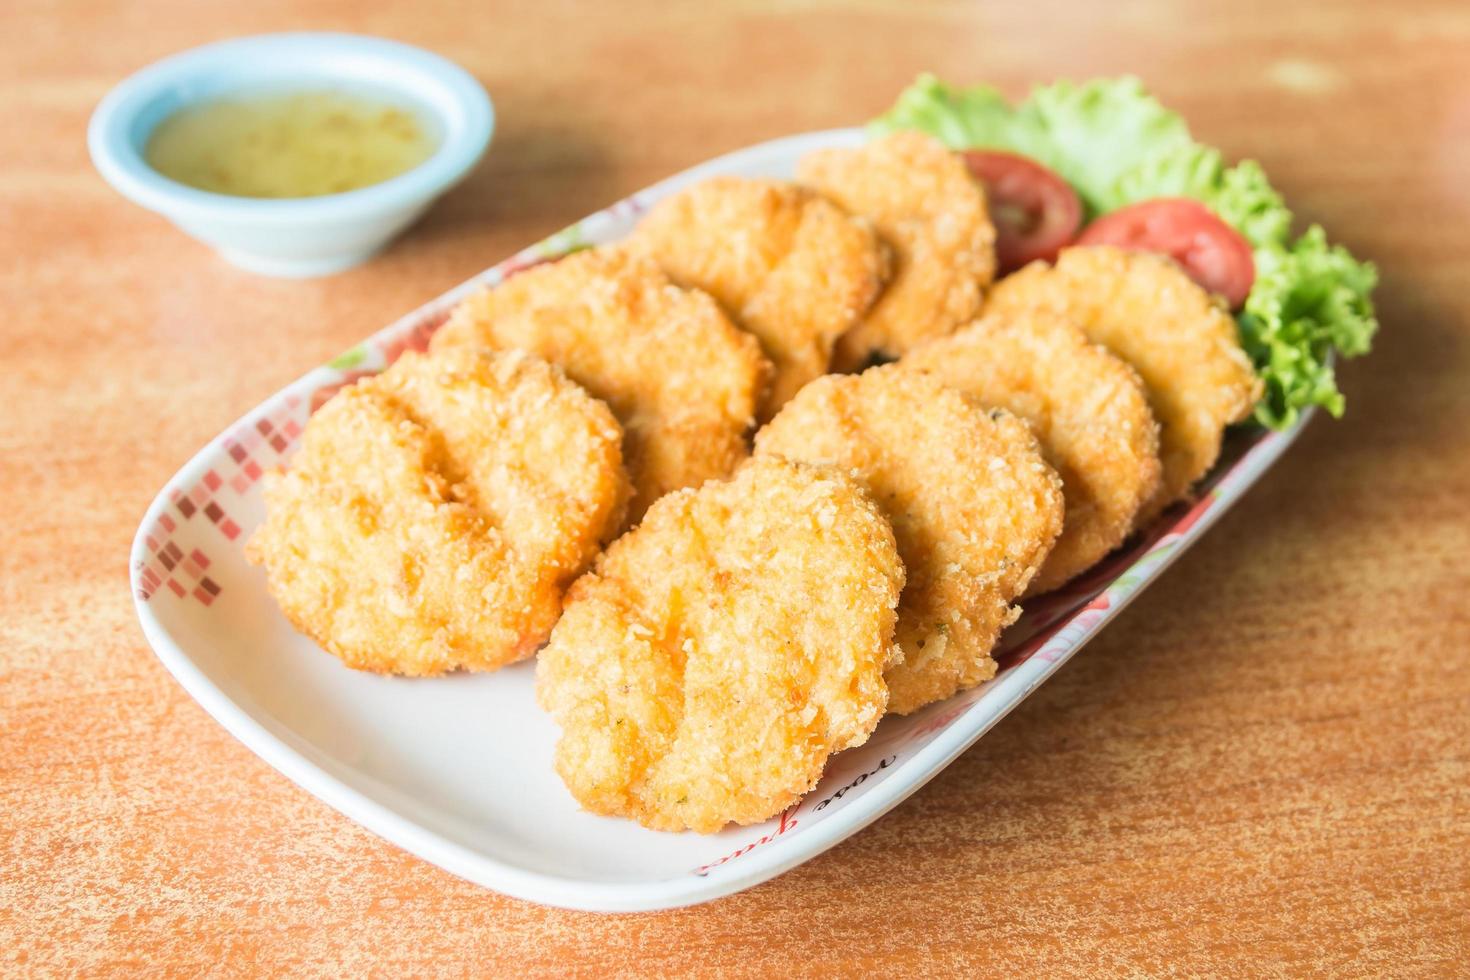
column 297, row 144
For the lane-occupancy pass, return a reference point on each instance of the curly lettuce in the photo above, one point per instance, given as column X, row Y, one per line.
column 1117, row 145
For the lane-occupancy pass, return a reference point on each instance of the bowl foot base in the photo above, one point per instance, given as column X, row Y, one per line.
column 288, row 268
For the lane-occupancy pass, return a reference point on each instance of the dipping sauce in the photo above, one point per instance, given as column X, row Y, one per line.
column 296, row 144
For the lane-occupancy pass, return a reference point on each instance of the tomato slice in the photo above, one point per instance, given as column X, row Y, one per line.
column 1035, row 211
column 1214, row 254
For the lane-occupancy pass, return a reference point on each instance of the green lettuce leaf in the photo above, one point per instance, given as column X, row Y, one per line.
column 1116, row 145
column 1308, row 300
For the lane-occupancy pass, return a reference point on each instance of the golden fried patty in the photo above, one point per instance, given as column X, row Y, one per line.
column 933, row 215
column 973, row 504
column 680, row 377
column 1089, row 411
column 435, row 513
column 722, row 650
column 1144, row 309
column 791, row 267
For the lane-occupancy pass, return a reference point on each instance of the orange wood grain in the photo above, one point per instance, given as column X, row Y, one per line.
column 1262, row 768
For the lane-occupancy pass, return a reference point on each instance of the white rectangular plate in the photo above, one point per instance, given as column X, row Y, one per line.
column 458, row 769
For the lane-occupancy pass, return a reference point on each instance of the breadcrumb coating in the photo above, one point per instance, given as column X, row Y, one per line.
column 974, row 507
column 789, row 266
column 933, row 215
column 1146, row 310
column 435, row 513
column 1089, row 411
column 681, row 378
column 722, row 650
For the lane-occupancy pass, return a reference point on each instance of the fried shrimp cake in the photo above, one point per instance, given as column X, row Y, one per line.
column 933, row 215
column 791, row 267
column 1144, row 309
column 680, row 377
column 435, row 513
column 1089, row 411
column 722, row 650
column 974, row 507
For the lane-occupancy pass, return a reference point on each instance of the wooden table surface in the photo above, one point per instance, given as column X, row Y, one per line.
column 1263, row 767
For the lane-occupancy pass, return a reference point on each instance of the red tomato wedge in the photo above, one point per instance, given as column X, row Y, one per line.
column 1035, row 211
column 1214, row 254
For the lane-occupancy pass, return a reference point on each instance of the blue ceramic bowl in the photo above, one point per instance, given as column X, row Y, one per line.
column 306, row 236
